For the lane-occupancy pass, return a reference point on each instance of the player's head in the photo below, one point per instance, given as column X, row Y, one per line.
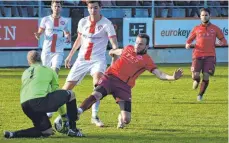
column 93, row 7
column 204, row 15
column 141, row 44
column 56, row 7
column 33, row 57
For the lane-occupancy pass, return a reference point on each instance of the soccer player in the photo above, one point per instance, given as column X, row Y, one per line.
column 94, row 32
column 56, row 36
column 121, row 75
column 39, row 94
column 204, row 56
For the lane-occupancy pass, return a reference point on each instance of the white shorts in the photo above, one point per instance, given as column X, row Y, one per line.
column 53, row 60
column 82, row 68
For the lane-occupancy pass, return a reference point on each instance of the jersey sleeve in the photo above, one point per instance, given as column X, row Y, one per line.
column 42, row 24
column 150, row 65
column 110, row 30
column 192, row 36
column 54, row 82
column 66, row 26
column 79, row 29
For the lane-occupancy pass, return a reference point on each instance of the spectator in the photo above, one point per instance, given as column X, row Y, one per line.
column 181, row 4
column 224, row 9
column 214, row 7
column 128, row 3
column 13, row 5
column 164, row 3
column 146, row 3
column 108, row 3
column 195, row 8
column 2, row 9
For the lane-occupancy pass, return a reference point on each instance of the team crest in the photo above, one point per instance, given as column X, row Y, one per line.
column 100, row 27
column 62, row 22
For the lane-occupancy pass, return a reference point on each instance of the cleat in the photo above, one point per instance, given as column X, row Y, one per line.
column 199, row 98
column 75, row 133
column 97, row 122
column 8, row 134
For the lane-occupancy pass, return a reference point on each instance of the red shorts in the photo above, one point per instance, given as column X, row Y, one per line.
column 204, row 64
column 120, row 90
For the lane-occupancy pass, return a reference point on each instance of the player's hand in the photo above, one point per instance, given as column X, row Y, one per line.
column 111, row 53
column 178, row 73
column 67, row 62
column 68, row 40
column 187, row 46
column 37, row 35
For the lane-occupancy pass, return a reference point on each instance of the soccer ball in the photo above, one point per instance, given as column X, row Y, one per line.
column 58, row 124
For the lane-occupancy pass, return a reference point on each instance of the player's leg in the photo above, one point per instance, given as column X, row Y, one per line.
column 55, row 100
column 57, row 59
column 208, row 69
column 42, row 125
column 76, row 74
column 100, row 91
column 195, row 69
column 125, row 114
column 46, row 58
column 97, row 70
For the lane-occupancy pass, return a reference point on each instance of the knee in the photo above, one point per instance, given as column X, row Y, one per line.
column 69, row 85
column 195, row 76
column 205, row 76
column 72, row 95
column 47, row 132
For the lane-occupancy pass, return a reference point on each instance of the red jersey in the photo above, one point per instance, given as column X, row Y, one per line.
column 130, row 65
column 205, row 36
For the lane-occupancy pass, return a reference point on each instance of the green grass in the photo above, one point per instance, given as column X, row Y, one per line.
column 162, row 111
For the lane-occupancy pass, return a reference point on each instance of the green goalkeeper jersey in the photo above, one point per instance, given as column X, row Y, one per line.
column 37, row 82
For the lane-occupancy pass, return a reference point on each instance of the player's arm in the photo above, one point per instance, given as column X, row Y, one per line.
column 222, row 39
column 115, row 53
column 39, row 33
column 67, row 35
column 190, row 39
column 163, row 76
column 54, row 82
column 41, row 29
column 75, row 46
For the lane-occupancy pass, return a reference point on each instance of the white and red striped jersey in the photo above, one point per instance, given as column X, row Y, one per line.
column 54, row 39
column 94, row 38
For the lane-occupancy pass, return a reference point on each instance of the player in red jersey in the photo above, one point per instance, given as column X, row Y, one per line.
column 121, row 75
column 203, row 56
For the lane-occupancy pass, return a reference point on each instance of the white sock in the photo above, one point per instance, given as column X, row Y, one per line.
column 95, row 109
column 80, row 111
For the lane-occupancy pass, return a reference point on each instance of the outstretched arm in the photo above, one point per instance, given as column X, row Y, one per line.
column 163, row 76
column 115, row 53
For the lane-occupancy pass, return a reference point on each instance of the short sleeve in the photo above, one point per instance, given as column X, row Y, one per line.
column 79, row 29
column 110, row 30
column 150, row 65
column 42, row 24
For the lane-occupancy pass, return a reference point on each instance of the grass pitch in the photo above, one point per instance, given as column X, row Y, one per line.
column 162, row 111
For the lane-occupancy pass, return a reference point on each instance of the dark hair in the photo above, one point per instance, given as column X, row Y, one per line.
column 94, row 1
column 143, row 35
column 206, row 10
column 56, row 1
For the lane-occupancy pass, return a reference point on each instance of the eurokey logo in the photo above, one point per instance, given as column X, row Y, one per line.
column 178, row 32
